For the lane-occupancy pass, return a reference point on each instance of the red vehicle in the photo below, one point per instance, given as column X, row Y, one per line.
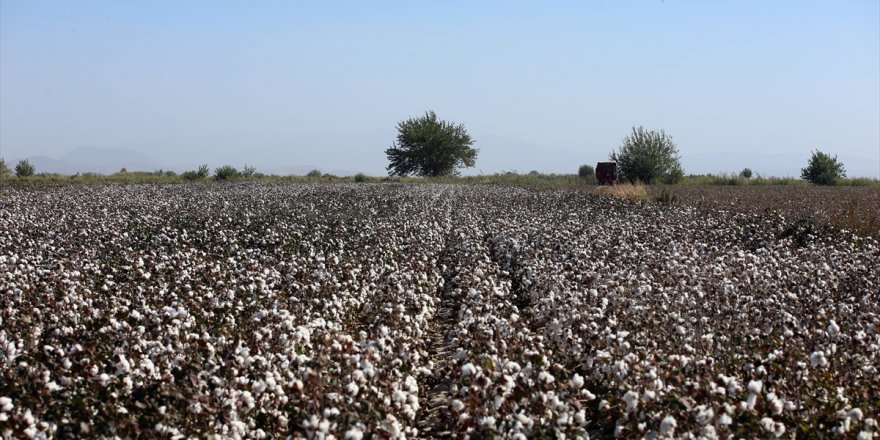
column 606, row 173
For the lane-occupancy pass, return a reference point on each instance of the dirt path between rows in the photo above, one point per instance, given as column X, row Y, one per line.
column 435, row 419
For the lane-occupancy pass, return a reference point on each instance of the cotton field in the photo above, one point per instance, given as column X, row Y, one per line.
column 426, row 311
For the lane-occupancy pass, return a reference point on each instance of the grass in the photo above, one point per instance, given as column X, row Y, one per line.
column 533, row 179
column 636, row 192
column 735, row 179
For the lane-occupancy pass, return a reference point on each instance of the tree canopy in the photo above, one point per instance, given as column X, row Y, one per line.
column 427, row 146
column 823, row 169
column 648, row 156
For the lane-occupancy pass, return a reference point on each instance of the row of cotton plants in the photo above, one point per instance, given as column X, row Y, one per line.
column 692, row 325
column 414, row 311
column 239, row 311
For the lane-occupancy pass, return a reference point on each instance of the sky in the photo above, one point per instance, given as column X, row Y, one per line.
column 540, row 86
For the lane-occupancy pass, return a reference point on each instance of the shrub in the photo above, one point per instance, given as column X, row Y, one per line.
column 314, row 173
column 586, row 171
column 199, row 174
column 360, row 177
column 24, row 169
column 746, row 173
column 648, row 156
column 248, row 171
column 823, row 169
column 226, row 172
column 4, row 169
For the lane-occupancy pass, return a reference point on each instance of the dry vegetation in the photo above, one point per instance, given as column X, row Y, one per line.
column 854, row 208
column 403, row 311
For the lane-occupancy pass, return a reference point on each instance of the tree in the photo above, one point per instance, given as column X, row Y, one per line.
column 586, row 171
column 314, row 173
column 427, row 146
column 746, row 173
column 24, row 169
column 823, row 169
column 648, row 156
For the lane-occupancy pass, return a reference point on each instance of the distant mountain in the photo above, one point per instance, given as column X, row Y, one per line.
column 110, row 160
column 44, row 164
column 95, row 160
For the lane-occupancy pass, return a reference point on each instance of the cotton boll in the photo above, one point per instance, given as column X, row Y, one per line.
column 632, row 401
column 833, row 329
column 6, row 404
column 468, row 369
column 755, row 386
column 817, row 359
column 667, row 426
column 457, row 405
column 354, row 433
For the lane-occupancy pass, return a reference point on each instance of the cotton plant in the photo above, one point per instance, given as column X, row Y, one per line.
column 351, row 311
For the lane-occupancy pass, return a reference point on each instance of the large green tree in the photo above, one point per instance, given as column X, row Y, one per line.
column 427, row 146
column 823, row 169
column 648, row 156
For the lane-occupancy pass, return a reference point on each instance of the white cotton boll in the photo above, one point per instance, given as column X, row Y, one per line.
column 833, row 329
column 856, row 414
column 468, row 369
column 775, row 428
column 6, row 404
column 411, row 385
column 776, row 403
column 457, row 405
column 525, row 420
column 354, row 434
column 391, row 426
column 817, row 359
column 498, row 401
column 667, row 426
column 52, row 386
column 649, row 395
column 399, row 396
column 704, row 414
column 755, row 386
column 352, row 389
column 725, row 420
column 751, row 400
column 511, row 367
column 588, row 395
column 546, row 377
column 632, row 401
column 580, row 417
column 104, row 378
column 123, row 366
column 576, row 381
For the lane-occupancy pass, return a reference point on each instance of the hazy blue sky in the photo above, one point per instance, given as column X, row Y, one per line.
column 539, row 85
